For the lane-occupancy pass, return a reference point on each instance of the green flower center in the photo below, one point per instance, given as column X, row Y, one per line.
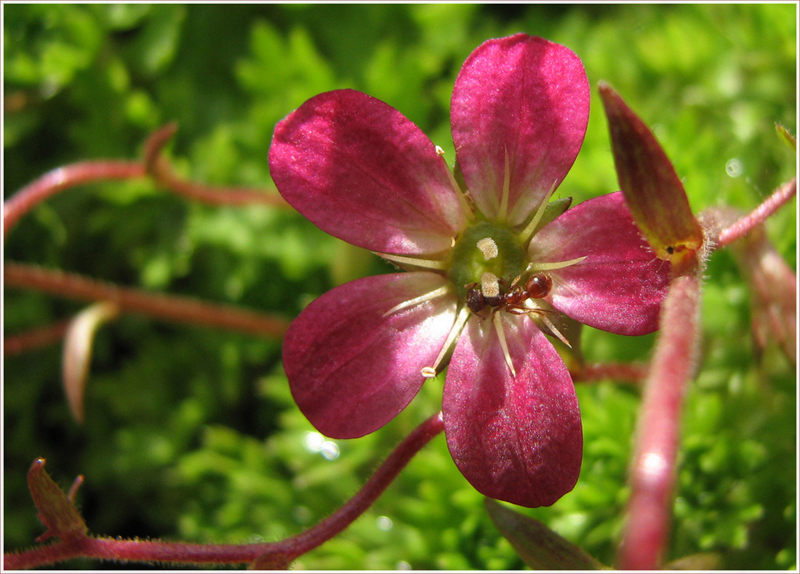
column 486, row 248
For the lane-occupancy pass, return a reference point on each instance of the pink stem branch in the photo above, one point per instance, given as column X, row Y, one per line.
column 63, row 178
column 618, row 372
column 39, row 337
column 154, row 165
column 759, row 215
column 264, row 556
column 170, row 307
column 158, row 167
column 652, row 475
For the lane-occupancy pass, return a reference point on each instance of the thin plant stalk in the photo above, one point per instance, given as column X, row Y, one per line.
column 62, row 178
column 652, row 475
column 274, row 555
column 759, row 215
column 169, row 307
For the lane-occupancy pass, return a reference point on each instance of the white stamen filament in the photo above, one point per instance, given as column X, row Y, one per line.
column 527, row 233
column 501, row 335
column 461, row 319
column 415, row 261
column 488, row 247
column 534, row 267
column 502, row 212
column 546, row 320
column 457, row 188
column 417, row 300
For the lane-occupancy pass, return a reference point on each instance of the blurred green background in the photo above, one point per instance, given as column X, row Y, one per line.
column 191, row 433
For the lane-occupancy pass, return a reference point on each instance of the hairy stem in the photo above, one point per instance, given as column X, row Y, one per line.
column 158, row 167
column 270, row 555
column 63, row 178
column 618, row 372
column 759, row 215
column 154, row 165
column 35, row 338
column 169, row 307
column 652, row 475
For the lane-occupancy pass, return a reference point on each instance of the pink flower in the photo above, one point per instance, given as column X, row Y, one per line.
column 364, row 173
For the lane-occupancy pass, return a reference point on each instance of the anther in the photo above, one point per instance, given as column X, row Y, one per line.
column 488, row 247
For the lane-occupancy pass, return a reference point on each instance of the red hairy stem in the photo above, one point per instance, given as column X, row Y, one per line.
column 270, row 555
column 759, row 215
column 158, row 167
column 154, row 165
column 652, row 475
column 374, row 487
column 35, row 338
column 618, row 372
column 63, row 178
column 170, row 307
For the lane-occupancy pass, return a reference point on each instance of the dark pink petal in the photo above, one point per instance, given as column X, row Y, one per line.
column 516, row 439
column 363, row 172
column 620, row 285
column 527, row 98
column 350, row 368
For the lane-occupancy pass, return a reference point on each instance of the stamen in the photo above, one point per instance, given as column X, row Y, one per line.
column 415, row 261
column 490, row 285
column 465, row 206
column 503, row 211
column 546, row 320
column 488, row 247
column 417, row 300
column 527, row 233
column 534, row 267
column 463, row 315
column 501, row 335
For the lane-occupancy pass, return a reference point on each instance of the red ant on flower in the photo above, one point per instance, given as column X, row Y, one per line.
column 537, row 287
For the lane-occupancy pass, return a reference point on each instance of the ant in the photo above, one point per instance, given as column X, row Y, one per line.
column 537, row 287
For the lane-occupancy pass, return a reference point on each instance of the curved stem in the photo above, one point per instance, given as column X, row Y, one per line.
column 63, row 178
column 170, row 307
column 652, row 475
column 273, row 555
column 154, row 165
column 374, row 487
column 759, row 215
column 158, row 167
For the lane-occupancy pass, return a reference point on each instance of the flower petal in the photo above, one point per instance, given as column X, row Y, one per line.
column 351, row 367
column 620, row 285
column 519, row 438
column 523, row 100
column 363, row 172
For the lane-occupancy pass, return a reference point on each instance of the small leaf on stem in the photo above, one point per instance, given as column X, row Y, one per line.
column 652, row 189
column 786, row 136
column 537, row 545
column 56, row 511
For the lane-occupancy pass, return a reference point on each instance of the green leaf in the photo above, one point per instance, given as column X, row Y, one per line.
column 56, row 511
column 537, row 545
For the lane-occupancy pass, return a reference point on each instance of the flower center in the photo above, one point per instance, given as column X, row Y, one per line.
column 484, row 254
